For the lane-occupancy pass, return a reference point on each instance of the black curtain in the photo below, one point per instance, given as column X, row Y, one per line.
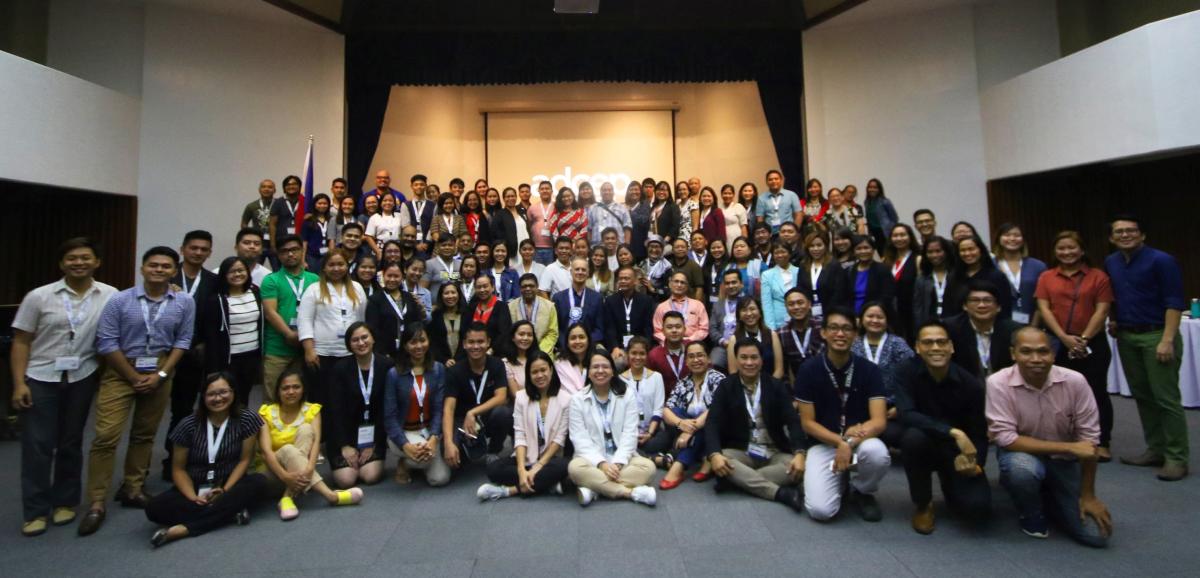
column 376, row 62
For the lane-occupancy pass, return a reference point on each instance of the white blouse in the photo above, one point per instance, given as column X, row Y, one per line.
column 325, row 322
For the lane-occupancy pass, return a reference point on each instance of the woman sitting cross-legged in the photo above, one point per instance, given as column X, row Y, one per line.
column 355, row 440
column 539, row 434
column 211, row 452
column 289, row 444
column 604, row 431
column 687, row 411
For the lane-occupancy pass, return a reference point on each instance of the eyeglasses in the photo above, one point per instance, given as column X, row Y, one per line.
column 290, row 250
column 218, row 393
column 840, row 329
column 942, row 342
column 1125, row 231
column 980, row 300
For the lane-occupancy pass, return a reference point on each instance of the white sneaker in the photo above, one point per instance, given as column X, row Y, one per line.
column 558, row 489
column 585, row 496
column 491, row 492
column 644, row 495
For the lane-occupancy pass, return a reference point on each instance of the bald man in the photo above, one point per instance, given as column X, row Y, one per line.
column 383, row 186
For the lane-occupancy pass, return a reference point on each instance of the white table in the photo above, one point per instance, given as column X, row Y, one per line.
column 1189, row 370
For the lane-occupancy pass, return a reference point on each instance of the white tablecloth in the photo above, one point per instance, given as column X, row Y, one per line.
column 1189, row 370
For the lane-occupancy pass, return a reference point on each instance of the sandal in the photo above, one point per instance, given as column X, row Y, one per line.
column 349, row 497
column 287, row 509
column 666, row 460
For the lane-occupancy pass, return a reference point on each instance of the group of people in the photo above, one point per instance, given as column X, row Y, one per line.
column 789, row 346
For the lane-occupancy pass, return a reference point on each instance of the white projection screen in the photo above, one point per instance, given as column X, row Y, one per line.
column 567, row 148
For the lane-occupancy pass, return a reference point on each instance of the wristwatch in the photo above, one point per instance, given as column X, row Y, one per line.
column 162, row 375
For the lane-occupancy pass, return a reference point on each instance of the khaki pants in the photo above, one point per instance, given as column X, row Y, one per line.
column 637, row 472
column 437, row 471
column 272, row 367
column 293, row 457
column 760, row 478
column 115, row 400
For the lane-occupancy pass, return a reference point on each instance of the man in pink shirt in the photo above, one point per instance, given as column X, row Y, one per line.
column 1044, row 422
column 539, row 222
column 695, row 315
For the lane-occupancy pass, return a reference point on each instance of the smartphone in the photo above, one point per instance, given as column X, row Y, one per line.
column 464, row 432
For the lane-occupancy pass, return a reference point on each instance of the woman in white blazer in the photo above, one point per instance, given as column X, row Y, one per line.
column 539, row 434
column 604, row 431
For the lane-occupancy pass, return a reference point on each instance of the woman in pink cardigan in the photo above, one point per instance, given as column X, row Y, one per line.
column 539, row 434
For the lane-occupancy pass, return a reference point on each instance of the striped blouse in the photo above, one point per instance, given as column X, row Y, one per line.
column 572, row 223
column 192, row 434
column 243, row 323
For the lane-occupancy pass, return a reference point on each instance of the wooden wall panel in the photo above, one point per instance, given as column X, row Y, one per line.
column 1164, row 193
column 37, row 219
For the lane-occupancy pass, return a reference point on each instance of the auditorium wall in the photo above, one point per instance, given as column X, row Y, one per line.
column 895, row 95
column 721, row 133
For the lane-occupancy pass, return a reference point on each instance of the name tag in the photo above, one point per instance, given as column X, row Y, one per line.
column 204, row 491
column 424, row 433
column 756, row 451
column 146, row 364
column 67, row 363
column 818, row 310
column 445, row 275
column 292, row 323
column 625, row 341
column 366, row 436
column 323, row 250
column 1019, row 317
column 397, row 344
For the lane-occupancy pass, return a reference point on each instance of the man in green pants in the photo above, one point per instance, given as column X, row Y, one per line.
column 1148, row 286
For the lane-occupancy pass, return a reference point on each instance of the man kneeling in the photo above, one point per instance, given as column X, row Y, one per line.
column 746, row 427
column 1044, row 422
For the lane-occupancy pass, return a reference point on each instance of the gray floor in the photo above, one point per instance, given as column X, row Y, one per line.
column 426, row 532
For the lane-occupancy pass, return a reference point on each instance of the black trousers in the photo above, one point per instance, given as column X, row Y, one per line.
column 171, row 508
column 658, row 443
column 497, row 425
column 892, row 433
column 185, row 390
column 247, row 372
column 317, row 382
column 1095, row 368
column 504, row 473
column 924, row 455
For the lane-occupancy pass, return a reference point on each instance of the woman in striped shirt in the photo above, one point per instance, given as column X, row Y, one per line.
column 232, row 320
column 568, row 219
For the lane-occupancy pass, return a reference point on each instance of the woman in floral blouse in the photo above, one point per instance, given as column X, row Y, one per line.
column 687, row 412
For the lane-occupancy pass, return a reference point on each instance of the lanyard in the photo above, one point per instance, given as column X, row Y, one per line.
column 449, row 221
column 775, row 199
column 420, row 387
column 803, row 347
column 699, row 259
column 144, row 302
column 753, row 402
column 1014, row 277
column 479, row 387
column 298, row 287
column 73, row 319
column 898, row 266
column 419, row 211
column 684, row 310
column 291, row 207
column 366, row 387
column 400, row 310
column 874, row 358
column 530, row 313
column 939, row 287
column 607, row 415
column 195, row 284
column 628, row 304
column 815, row 272
column 677, row 369
column 469, row 289
column 324, row 226
column 842, row 391
column 596, row 283
column 214, row 442
column 341, row 302
column 983, row 344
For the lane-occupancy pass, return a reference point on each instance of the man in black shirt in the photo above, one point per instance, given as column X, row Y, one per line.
column 843, row 410
column 257, row 215
column 981, row 339
column 753, row 434
column 476, row 417
column 942, row 407
column 626, row 313
column 283, row 211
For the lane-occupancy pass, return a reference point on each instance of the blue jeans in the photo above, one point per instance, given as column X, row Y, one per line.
column 52, row 444
column 543, row 256
column 1040, row 486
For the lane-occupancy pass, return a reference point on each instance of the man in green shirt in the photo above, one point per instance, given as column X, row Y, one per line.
column 281, row 293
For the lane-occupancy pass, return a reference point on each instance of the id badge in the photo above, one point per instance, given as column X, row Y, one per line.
column 67, row 363
column 323, row 250
column 210, row 476
column 144, row 364
column 424, row 433
column 625, row 341
column 756, row 451
column 818, row 310
column 397, row 344
column 292, row 323
column 1019, row 317
column 366, row 436
column 204, row 491
column 445, row 275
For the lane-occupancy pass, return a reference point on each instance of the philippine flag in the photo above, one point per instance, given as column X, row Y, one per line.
column 307, row 206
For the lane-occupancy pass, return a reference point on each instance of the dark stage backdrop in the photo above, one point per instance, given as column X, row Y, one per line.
column 1161, row 192
column 375, row 62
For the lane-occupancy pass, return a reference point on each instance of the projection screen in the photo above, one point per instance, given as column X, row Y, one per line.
column 567, row 148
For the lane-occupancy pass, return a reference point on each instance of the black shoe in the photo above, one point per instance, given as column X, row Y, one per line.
column 91, row 522
column 723, row 485
column 136, row 501
column 868, row 506
column 159, row 538
column 790, row 497
column 242, row 518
